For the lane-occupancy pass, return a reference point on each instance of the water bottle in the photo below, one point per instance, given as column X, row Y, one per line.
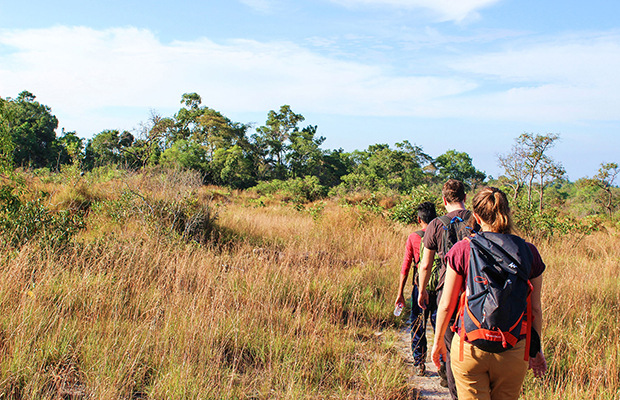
column 398, row 309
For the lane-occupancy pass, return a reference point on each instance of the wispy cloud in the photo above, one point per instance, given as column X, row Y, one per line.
column 78, row 70
column 567, row 78
column 445, row 10
column 259, row 5
column 81, row 72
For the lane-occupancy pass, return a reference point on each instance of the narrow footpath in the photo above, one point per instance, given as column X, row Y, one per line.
column 426, row 387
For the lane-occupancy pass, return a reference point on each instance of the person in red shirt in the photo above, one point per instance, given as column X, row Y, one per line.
column 418, row 318
column 481, row 374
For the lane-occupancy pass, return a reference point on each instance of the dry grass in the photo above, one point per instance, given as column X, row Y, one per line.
column 284, row 304
column 286, row 309
column 581, row 300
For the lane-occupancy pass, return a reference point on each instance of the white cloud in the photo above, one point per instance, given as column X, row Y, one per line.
column 446, row 10
column 80, row 70
column 561, row 79
column 95, row 79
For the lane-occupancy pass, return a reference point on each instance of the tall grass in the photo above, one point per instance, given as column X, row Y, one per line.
column 276, row 301
column 581, row 303
column 287, row 307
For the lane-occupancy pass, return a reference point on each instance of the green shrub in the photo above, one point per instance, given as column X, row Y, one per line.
column 298, row 190
column 22, row 221
column 405, row 212
column 550, row 222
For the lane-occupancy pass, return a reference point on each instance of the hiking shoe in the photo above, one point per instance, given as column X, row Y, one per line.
column 420, row 370
column 443, row 378
column 442, row 371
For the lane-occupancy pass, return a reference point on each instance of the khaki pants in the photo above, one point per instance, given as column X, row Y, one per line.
column 488, row 376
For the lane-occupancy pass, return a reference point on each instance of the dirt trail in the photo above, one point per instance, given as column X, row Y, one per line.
column 427, row 387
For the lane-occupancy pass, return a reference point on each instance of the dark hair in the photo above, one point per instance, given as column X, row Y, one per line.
column 491, row 205
column 426, row 212
column 453, row 191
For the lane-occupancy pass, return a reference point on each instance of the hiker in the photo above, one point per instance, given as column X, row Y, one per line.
column 426, row 213
column 474, row 263
column 440, row 236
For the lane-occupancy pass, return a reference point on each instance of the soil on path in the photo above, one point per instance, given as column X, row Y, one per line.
column 425, row 387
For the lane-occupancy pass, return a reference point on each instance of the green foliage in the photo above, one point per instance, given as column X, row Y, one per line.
column 185, row 217
column 604, row 180
column 380, row 168
column 110, row 147
column 405, row 212
column 184, row 154
column 22, row 221
column 27, row 132
column 551, row 222
column 458, row 165
column 273, row 140
column 298, row 190
column 235, row 167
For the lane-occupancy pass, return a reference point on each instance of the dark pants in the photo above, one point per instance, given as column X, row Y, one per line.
column 448, row 339
column 418, row 320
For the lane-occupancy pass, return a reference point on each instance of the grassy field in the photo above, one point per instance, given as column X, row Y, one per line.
column 167, row 289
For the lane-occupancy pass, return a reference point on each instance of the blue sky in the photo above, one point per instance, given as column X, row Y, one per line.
column 469, row 75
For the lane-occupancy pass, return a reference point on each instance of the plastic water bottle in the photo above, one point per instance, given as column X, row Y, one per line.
column 398, row 309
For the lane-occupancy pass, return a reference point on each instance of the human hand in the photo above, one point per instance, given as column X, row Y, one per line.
column 538, row 365
column 423, row 299
column 439, row 352
column 400, row 299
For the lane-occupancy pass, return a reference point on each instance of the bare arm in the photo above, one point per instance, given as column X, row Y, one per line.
column 538, row 364
column 426, row 266
column 400, row 297
column 447, row 305
column 537, row 303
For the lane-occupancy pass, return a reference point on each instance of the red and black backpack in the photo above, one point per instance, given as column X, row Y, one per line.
column 495, row 309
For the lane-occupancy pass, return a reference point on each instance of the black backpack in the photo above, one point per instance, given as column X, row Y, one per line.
column 454, row 229
column 496, row 302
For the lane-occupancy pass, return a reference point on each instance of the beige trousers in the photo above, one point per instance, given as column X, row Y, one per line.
column 488, row 376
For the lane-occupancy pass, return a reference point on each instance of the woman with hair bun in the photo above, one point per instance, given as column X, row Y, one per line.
column 481, row 374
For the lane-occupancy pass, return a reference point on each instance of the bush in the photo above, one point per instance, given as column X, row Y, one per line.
column 22, row 221
column 298, row 190
column 550, row 222
column 406, row 211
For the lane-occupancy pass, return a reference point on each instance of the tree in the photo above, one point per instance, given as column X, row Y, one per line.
column 458, row 165
column 110, row 147
column 380, row 167
column 185, row 154
column 548, row 172
column 30, row 127
column 604, row 180
column 272, row 140
column 528, row 160
column 305, row 155
column 6, row 138
column 514, row 171
column 70, row 148
column 210, row 135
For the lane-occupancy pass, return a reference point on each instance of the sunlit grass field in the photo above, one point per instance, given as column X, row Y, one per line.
column 275, row 300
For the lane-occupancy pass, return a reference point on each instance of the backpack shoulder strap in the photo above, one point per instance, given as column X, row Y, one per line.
column 445, row 220
column 420, row 233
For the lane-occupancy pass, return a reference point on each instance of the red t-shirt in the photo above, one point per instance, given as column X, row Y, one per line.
column 412, row 252
column 458, row 259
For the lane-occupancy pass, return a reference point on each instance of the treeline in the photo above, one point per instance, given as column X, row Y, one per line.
column 284, row 155
column 225, row 152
